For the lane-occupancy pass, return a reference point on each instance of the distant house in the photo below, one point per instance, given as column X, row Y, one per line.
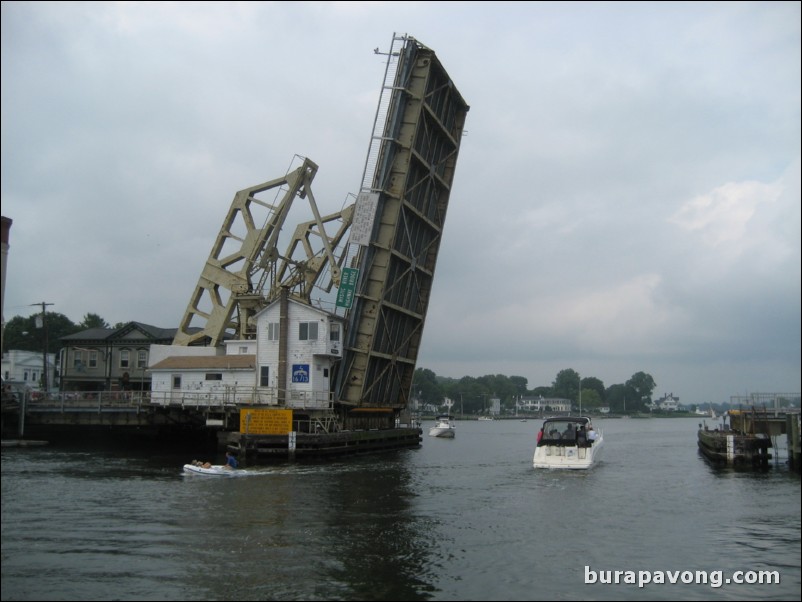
column 544, row 404
column 108, row 359
column 25, row 368
column 667, row 403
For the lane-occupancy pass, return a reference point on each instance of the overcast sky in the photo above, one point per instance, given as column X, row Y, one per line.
column 627, row 196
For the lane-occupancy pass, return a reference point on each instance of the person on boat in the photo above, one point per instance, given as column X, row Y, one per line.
column 540, row 434
column 569, row 432
column 231, row 461
column 591, row 433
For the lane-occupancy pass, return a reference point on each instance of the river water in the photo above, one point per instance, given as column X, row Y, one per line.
column 461, row 519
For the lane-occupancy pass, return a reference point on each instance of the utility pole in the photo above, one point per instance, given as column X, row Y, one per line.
column 45, row 387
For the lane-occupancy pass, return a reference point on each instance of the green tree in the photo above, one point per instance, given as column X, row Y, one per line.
column 520, row 383
column 566, row 385
column 643, row 384
column 25, row 335
column 503, row 387
column 590, row 398
column 542, row 392
column 467, row 393
column 425, row 386
column 594, row 384
column 93, row 321
column 622, row 398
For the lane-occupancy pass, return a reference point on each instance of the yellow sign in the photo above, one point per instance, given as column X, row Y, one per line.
column 265, row 422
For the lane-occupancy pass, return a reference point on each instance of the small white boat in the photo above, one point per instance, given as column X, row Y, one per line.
column 443, row 427
column 214, row 470
column 485, row 418
column 568, row 443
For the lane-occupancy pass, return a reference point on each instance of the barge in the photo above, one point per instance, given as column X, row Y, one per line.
column 733, row 448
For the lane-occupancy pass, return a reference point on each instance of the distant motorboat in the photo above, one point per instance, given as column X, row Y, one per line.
column 485, row 418
column 568, row 443
column 443, row 428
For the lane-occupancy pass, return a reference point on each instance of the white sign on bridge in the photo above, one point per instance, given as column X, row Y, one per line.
column 364, row 215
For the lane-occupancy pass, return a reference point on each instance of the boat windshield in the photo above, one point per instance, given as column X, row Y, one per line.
column 565, row 430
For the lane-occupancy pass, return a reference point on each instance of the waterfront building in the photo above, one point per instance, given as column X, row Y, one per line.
column 110, row 359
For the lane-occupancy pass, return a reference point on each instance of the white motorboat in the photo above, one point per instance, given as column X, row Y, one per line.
column 568, row 442
column 443, row 427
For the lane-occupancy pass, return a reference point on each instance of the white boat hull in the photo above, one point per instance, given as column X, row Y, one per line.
column 213, row 471
column 568, row 457
column 442, row 432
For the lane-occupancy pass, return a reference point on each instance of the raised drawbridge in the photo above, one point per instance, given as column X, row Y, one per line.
column 384, row 272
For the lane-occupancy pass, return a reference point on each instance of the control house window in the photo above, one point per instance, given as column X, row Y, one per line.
column 308, row 331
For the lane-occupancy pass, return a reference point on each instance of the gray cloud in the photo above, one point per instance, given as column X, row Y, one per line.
column 627, row 196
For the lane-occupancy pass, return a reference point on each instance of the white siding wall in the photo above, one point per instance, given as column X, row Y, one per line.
column 235, row 347
column 309, row 355
column 267, row 351
column 161, row 352
column 196, row 389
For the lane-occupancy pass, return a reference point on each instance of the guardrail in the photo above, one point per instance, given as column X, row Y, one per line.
column 136, row 400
